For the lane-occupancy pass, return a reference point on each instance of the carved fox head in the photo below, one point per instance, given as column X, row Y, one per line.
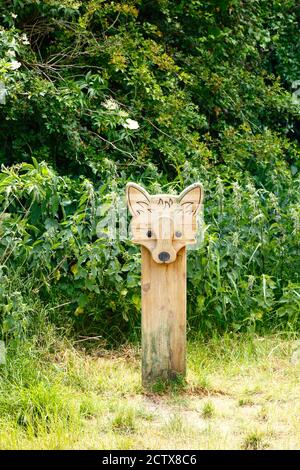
column 164, row 224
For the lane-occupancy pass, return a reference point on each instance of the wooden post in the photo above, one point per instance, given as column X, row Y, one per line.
column 163, row 225
column 163, row 317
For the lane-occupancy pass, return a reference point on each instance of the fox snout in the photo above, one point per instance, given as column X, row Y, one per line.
column 164, row 251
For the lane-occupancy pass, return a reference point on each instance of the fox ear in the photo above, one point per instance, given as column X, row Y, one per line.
column 191, row 198
column 138, row 199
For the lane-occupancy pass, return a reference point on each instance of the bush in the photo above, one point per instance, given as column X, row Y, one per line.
column 96, row 94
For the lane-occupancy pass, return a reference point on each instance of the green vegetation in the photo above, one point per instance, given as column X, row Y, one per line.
column 56, row 396
column 164, row 93
column 96, row 93
column 208, row 410
column 254, row 441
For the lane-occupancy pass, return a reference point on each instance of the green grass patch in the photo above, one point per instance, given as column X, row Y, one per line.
column 56, row 396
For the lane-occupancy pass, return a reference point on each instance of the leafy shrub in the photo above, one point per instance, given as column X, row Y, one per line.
column 243, row 275
column 94, row 94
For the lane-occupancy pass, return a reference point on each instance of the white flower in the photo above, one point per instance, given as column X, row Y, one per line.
column 110, row 104
column 24, row 39
column 131, row 124
column 14, row 65
column 11, row 53
column 14, row 15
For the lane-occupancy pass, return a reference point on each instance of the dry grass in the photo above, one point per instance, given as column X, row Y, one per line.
column 241, row 393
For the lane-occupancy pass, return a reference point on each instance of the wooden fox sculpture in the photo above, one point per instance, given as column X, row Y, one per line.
column 163, row 225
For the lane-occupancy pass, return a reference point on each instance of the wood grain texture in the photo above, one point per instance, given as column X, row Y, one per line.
column 163, row 317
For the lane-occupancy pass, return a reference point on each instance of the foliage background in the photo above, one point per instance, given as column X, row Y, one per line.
column 210, row 85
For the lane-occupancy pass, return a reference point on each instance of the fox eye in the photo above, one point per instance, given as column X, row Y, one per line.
column 149, row 234
column 178, row 234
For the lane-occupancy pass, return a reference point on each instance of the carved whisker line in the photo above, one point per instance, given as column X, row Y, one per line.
column 142, row 202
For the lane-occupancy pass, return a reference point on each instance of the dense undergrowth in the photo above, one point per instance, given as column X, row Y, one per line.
column 96, row 93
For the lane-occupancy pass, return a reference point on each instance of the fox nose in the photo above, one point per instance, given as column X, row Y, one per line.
column 164, row 256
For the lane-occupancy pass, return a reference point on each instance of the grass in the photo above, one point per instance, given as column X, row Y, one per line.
column 242, row 392
column 208, row 410
column 125, row 419
column 254, row 441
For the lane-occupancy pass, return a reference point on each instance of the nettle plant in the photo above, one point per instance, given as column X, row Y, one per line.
column 250, row 256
